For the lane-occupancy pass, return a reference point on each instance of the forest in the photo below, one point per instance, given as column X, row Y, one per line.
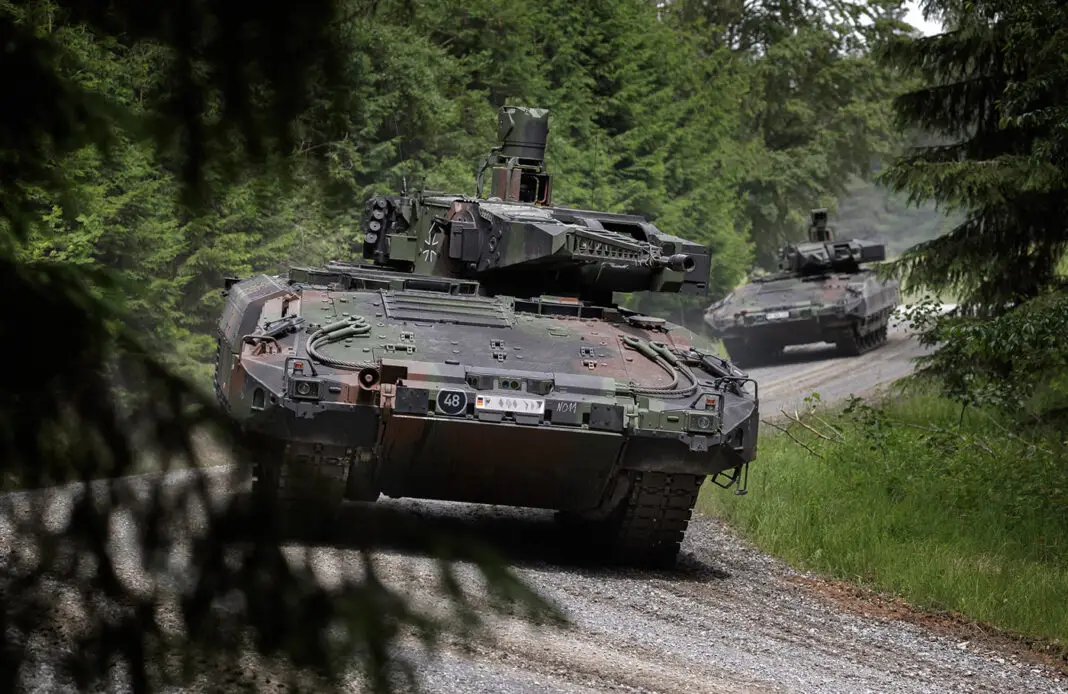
column 146, row 155
column 721, row 127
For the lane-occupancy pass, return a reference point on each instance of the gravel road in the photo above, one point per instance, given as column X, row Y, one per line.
column 727, row 619
column 817, row 368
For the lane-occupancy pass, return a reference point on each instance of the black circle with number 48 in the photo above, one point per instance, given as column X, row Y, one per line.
column 452, row 402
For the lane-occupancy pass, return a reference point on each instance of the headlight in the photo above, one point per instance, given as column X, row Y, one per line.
column 702, row 422
column 306, row 389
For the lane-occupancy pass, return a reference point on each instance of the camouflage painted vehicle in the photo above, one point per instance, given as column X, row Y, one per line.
column 477, row 356
column 823, row 292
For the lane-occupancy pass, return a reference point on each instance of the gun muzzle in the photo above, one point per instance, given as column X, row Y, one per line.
column 680, row 262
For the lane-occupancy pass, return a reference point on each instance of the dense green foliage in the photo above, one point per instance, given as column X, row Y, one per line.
column 994, row 88
column 146, row 156
column 1016, row 361
column 728, row 141
column 816, row 113
column 993, row 100
column 913, row 499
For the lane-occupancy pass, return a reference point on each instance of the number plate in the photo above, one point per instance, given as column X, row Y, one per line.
column 778, row 315
column 452, row 402
column 509, row 403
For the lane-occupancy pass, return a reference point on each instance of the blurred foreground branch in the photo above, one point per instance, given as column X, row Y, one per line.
column 173, row 577
column 170, row 578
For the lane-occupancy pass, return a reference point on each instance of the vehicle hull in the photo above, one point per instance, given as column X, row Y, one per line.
column 542, row 466
column 760, row 320
column 496, row 463
column 535, row 403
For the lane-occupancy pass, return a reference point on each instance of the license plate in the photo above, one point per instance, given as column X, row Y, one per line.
column 509, row 403
column 778, row 315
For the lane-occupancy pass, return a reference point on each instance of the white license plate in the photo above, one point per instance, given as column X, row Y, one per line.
column 509, row 403
column 778, row 315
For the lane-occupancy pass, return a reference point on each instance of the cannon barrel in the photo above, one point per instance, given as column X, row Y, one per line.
column 680, row 262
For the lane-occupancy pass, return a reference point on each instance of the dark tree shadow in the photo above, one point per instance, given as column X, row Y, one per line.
column 802, row 354
column 794, row 355
column 521, row 537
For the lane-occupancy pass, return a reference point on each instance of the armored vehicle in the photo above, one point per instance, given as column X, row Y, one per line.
column 475, row 354
column 823, row 292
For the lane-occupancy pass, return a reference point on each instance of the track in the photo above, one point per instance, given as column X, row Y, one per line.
column 729, row 619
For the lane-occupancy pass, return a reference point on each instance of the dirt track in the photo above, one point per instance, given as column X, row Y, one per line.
column 728, row 619
column 818, row 368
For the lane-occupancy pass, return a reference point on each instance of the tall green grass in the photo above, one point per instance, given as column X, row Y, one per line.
column 968, row 513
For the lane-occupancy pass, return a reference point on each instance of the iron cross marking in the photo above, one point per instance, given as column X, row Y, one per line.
column 430, row 245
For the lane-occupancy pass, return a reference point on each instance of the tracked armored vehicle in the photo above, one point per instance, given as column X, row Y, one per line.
column 474, row 354
column 824, row 291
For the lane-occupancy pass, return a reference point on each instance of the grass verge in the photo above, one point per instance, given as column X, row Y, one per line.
column 949, row 512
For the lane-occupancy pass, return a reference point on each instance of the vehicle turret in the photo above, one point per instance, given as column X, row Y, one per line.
column 824, row 254
column 515, row 241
